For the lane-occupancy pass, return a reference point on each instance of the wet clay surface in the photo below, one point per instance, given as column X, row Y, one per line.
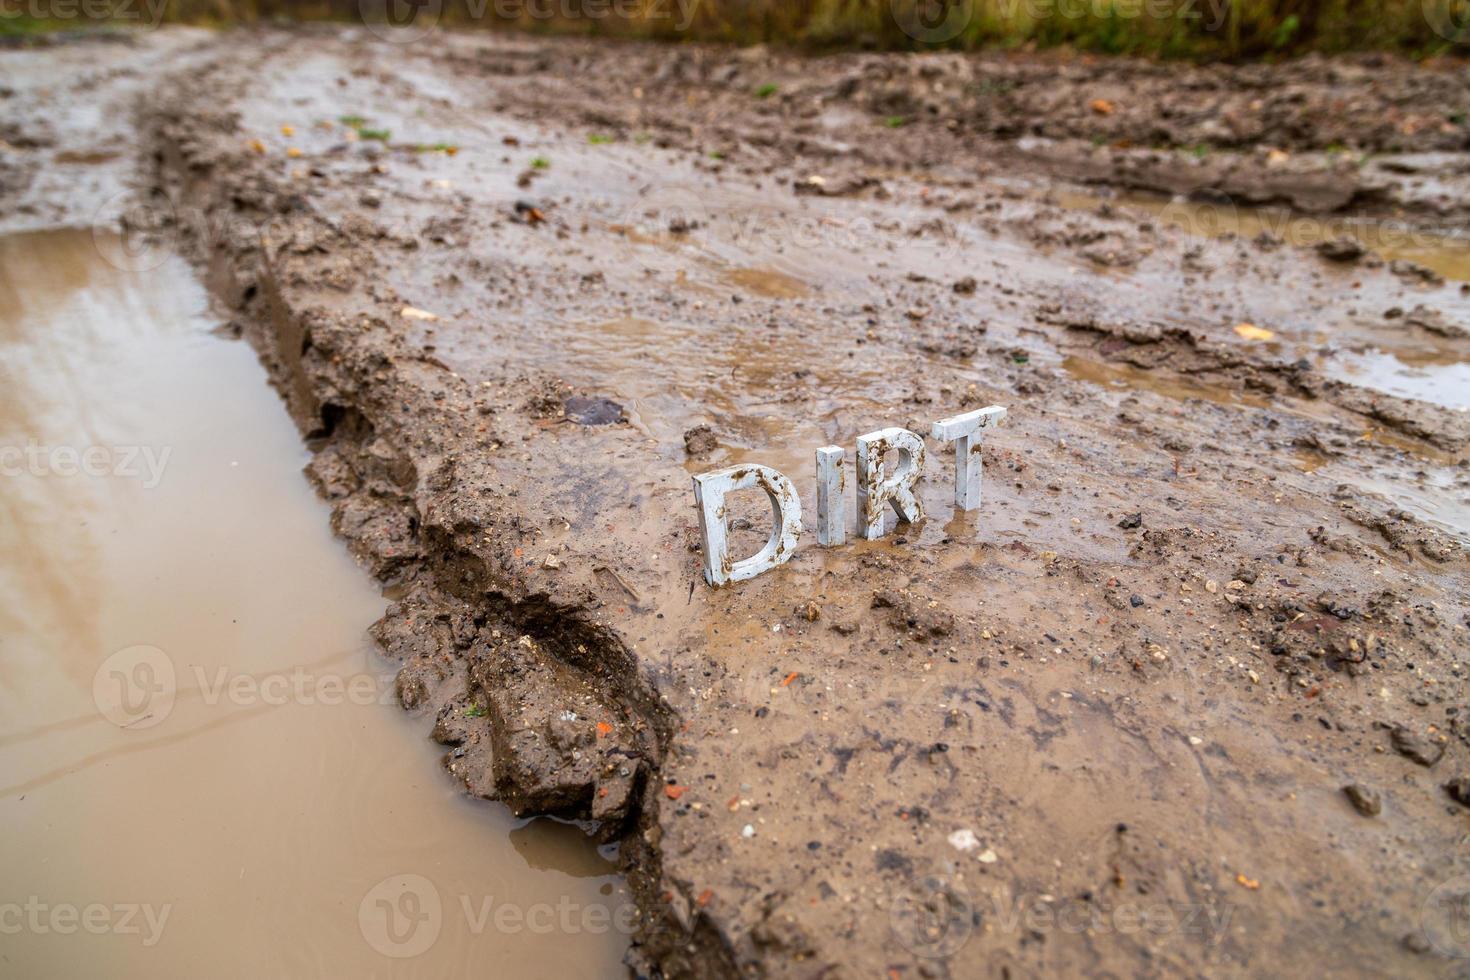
column 202, row 757
column 1217, row 576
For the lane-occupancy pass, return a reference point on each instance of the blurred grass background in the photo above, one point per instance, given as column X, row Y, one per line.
column 1194, row 29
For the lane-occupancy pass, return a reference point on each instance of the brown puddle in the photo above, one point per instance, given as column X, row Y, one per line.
column 1447, row 255
column 201, row 754
column 1430, row 490
column 1437, row 375
column 767, row 282
column 1126, row 376
column 771, row 402
column 1428, row 379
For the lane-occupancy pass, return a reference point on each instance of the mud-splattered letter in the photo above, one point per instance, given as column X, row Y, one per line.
column 874, row 488
column 831, row 491
column 965, row 431
column 710, row 490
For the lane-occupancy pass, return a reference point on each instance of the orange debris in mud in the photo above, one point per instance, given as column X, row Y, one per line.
column 1249, row 331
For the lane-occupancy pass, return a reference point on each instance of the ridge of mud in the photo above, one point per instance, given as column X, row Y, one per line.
column 515, row 677
column 1182, row 350
column 1372, row 133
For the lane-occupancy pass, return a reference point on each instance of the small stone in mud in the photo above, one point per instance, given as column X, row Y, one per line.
column 528, row 212
column 370, row 199
column 1131, row 521
column 966, row 286
column 809, row 611
column 1459, row 790
column 593, row 411
column 1420, row 748
column 699, row 440
column 1340, row 250
column 1364, row 800
column 1135, row 600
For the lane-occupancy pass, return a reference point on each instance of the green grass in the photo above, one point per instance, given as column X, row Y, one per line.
column 23, row 25
column 359, row 124
column 1196, row 29
column 767, row 90
column 895, row 122
column 540, row 163
column 599, row 139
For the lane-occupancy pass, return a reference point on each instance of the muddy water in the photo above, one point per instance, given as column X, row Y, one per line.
column 746, row 387
column 1433, row 492
column 1428, row 372
column 201, row 768
column 1446, row 254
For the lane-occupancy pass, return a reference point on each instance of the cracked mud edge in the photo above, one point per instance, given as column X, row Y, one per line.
column 510, row 674
column 1154, row 346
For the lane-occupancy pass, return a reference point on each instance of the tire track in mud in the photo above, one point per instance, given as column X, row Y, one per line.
column 454, row 487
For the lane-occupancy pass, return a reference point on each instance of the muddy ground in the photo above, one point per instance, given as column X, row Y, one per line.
column 1105, row 725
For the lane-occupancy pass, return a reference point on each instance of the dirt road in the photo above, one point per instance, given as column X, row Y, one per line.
column 1105, row 724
